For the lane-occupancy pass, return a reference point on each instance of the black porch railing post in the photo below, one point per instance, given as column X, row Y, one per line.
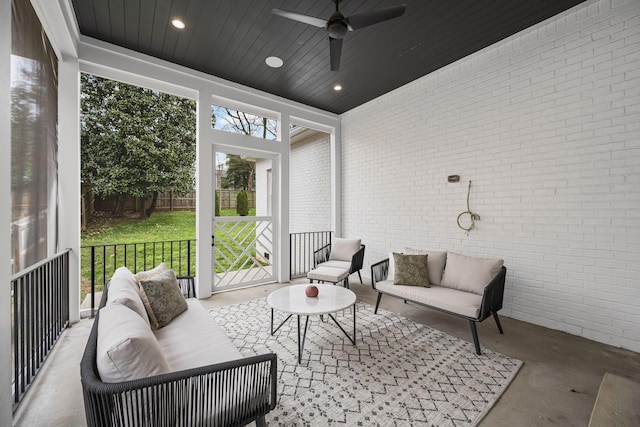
column 188, row 258
column 93, row 280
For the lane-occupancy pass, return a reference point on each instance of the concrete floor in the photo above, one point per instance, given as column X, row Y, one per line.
column 557, row 384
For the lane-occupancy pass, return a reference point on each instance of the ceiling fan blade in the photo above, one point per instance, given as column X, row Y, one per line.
column 362, row 20
column 335, row 50
column 306, row 19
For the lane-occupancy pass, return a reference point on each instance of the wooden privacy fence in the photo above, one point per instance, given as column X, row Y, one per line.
column 167, row 202
column 228, row 198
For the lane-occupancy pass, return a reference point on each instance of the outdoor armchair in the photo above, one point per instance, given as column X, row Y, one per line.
column 341, row 253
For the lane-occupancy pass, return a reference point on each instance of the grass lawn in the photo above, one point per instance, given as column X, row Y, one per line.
column 105, row 233
column 160, row 227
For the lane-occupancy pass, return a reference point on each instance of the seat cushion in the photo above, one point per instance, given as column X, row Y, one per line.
column 470, row 274
column 435, row 262
column 127, row 349
column 343, row 249
column 194, row 339
column 124, row 289
column 452, row 300
column 328, row 274
column 345, row 265
column 162, row 298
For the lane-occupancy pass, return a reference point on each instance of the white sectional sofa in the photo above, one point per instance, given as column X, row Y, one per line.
column 154, row 358
column 468, row 287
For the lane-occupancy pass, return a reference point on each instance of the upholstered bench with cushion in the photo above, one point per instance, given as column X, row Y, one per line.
column 468, row 287
column 154, row 358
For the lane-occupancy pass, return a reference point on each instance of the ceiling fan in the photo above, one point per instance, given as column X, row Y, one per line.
column 338, row 25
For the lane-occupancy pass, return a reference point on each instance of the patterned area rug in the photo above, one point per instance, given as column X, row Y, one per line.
column 399, row 373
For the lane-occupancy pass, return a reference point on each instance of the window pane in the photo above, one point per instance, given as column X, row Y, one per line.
column 234, row 121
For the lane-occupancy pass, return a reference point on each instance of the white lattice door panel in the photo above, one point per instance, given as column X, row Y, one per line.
column 243, row 251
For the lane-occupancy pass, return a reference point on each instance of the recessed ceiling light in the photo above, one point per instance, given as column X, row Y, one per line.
column 274, row 62
column 337, row 88
column 178, row 23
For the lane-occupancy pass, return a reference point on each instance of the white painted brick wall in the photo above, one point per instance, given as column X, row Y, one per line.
column 547, row 126
column 310, row 186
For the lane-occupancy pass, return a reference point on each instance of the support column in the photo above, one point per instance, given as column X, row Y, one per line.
column 69, row 192
column 6, row 414
column 336, row 182
column 205, row 186
column 282, row 216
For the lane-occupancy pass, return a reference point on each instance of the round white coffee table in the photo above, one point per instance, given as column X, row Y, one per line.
column 330, row 299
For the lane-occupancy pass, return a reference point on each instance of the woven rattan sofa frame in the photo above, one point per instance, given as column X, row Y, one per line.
column 236, row 392
column 491, row 298
column 322, row 255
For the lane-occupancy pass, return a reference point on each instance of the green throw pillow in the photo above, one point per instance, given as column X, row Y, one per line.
column 411, row 270
column 162, row 298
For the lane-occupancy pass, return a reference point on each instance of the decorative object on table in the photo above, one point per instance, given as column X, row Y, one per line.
column 311, row 291
column 399, row 373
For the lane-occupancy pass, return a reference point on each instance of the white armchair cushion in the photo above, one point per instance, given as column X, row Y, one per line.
column 435, row 261
column 123, row 289
column 391, row 272
column 470, row 274
column 127, row 348
column 343, row 249
column 345, row 265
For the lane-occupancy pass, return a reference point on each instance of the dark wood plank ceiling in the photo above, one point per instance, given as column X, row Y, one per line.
column 231, row 39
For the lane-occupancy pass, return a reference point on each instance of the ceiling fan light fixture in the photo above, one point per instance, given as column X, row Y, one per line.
column 337, row 30
column 178, row 23
column 337, row 26
column 274, row 62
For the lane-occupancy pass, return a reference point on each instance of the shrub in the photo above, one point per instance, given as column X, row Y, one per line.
column 217, row 208
column 242, row 203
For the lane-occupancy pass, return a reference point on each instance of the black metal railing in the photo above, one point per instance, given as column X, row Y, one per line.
column 99, row 262
column 301, row 250
column 39, row 314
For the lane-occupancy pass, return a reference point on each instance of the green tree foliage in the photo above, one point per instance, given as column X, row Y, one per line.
column 217, row 207
column 240, row 173
column 136, row 141
column 242, row 203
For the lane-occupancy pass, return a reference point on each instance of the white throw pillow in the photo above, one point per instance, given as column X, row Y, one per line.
column 123, row 289
column 469, row 274
column 127, row 349
column 343, row 249
column 435, row 262
column 391, row 275
column 149, row 274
